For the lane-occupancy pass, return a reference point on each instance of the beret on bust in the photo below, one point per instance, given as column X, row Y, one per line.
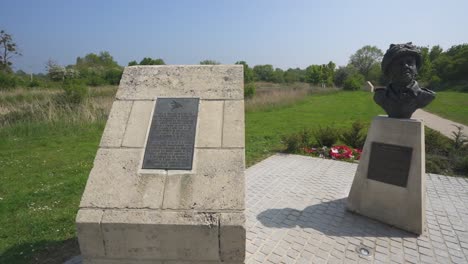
column 398, row 50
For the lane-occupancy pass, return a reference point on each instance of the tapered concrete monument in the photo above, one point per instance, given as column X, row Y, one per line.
column 389, row 184
column 167, row 184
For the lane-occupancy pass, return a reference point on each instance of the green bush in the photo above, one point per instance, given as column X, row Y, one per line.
column 297, row 141
column 326, row 136
column 75, row 92
column 7, row 81
column 34, row 83
column 249, row 90
column 436, row 143
column 113, row 76
column 354, row 137
column 354, row 82
column 438, row 164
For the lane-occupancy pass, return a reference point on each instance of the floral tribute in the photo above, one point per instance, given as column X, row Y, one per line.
column 340, row 152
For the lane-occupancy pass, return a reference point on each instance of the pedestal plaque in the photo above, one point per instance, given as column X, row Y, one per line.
column 389, row 163
column 171, row 137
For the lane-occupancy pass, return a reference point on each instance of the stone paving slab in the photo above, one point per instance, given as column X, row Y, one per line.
column 296, row 214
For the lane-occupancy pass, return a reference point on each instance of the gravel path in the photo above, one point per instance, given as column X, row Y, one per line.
column 438, row 123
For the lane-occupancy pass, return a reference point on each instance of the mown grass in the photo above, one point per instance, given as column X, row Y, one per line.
column 451, row 105
column 264, row 128
column 43, row 170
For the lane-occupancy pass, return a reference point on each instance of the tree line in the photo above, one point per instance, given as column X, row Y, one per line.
column 440, row 69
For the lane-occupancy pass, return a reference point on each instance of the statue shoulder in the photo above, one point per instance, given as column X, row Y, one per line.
column 379, row 94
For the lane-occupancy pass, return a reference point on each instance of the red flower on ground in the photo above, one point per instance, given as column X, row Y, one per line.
column 341, row 152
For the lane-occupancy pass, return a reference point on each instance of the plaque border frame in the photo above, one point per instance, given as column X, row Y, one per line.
column 148, row 128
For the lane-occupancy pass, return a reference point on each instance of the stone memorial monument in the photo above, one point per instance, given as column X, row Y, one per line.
column 389, row 184
column 167, row 184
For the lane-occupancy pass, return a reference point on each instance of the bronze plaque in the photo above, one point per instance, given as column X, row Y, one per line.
column 389, row 163
column 171, row 138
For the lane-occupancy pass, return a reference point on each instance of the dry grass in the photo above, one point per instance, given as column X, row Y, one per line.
column 43, row 105
column 272, row 95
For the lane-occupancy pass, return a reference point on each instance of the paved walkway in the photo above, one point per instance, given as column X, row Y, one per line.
column 296, row 214
column 444, row 126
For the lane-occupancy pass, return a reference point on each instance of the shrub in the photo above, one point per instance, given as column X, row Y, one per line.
column 354, row 137
column 34, row 83
column 249, row 90
column 459, row 138
column 326, row 137
column 436, row 143
column 7, row 81
column 295, row 142
column 438, row 164
column 113, row 76
column 75, row 92
column 353, row 82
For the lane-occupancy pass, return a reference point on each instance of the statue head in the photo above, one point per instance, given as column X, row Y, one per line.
column 401, row 62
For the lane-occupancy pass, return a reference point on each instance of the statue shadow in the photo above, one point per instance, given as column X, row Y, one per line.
column 330, row 218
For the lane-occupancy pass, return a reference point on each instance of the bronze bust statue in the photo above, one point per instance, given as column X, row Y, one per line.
column 403, row 95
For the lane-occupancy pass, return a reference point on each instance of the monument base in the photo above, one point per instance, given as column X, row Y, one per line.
column 389, row 184
column 167, row 184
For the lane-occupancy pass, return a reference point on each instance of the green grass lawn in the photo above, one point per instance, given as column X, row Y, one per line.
column 264, row 128
column 43, row 171
column 451, row 105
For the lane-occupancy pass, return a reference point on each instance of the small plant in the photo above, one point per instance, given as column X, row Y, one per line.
column 75, row 92
column 296, row 142
column 459, row 138
column 249, row 90
column 326, row 136
column 354, row 137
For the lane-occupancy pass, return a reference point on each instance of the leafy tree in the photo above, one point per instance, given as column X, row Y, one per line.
column 365, row 58
column 263, row 72
column 435, row 52
column 209, row 62
column 321, row 74
column 133, row 63
column 248, row 72
column 294, row 75
column 314, row 74
column 98, row 69
column 354, row 82
column 8, row 50
column 278, row 76
column 150, row 61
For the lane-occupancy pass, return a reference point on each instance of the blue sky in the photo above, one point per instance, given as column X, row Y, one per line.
column 294, row 33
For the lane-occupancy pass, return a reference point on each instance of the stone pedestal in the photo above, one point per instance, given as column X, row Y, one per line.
column 389, row 184
column 132, row 215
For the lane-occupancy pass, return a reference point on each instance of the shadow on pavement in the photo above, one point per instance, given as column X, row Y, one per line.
column 331, row 218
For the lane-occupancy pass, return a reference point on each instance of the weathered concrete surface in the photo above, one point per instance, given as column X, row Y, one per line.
column 133, row 215
column 88, row 224
column 145, row 234
column 233, row 136
column 395, row 205
column 204, row 81
column 210, row 124
column 135, row 132
column 116, row 124
column 215, row 186
column 114, row 182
